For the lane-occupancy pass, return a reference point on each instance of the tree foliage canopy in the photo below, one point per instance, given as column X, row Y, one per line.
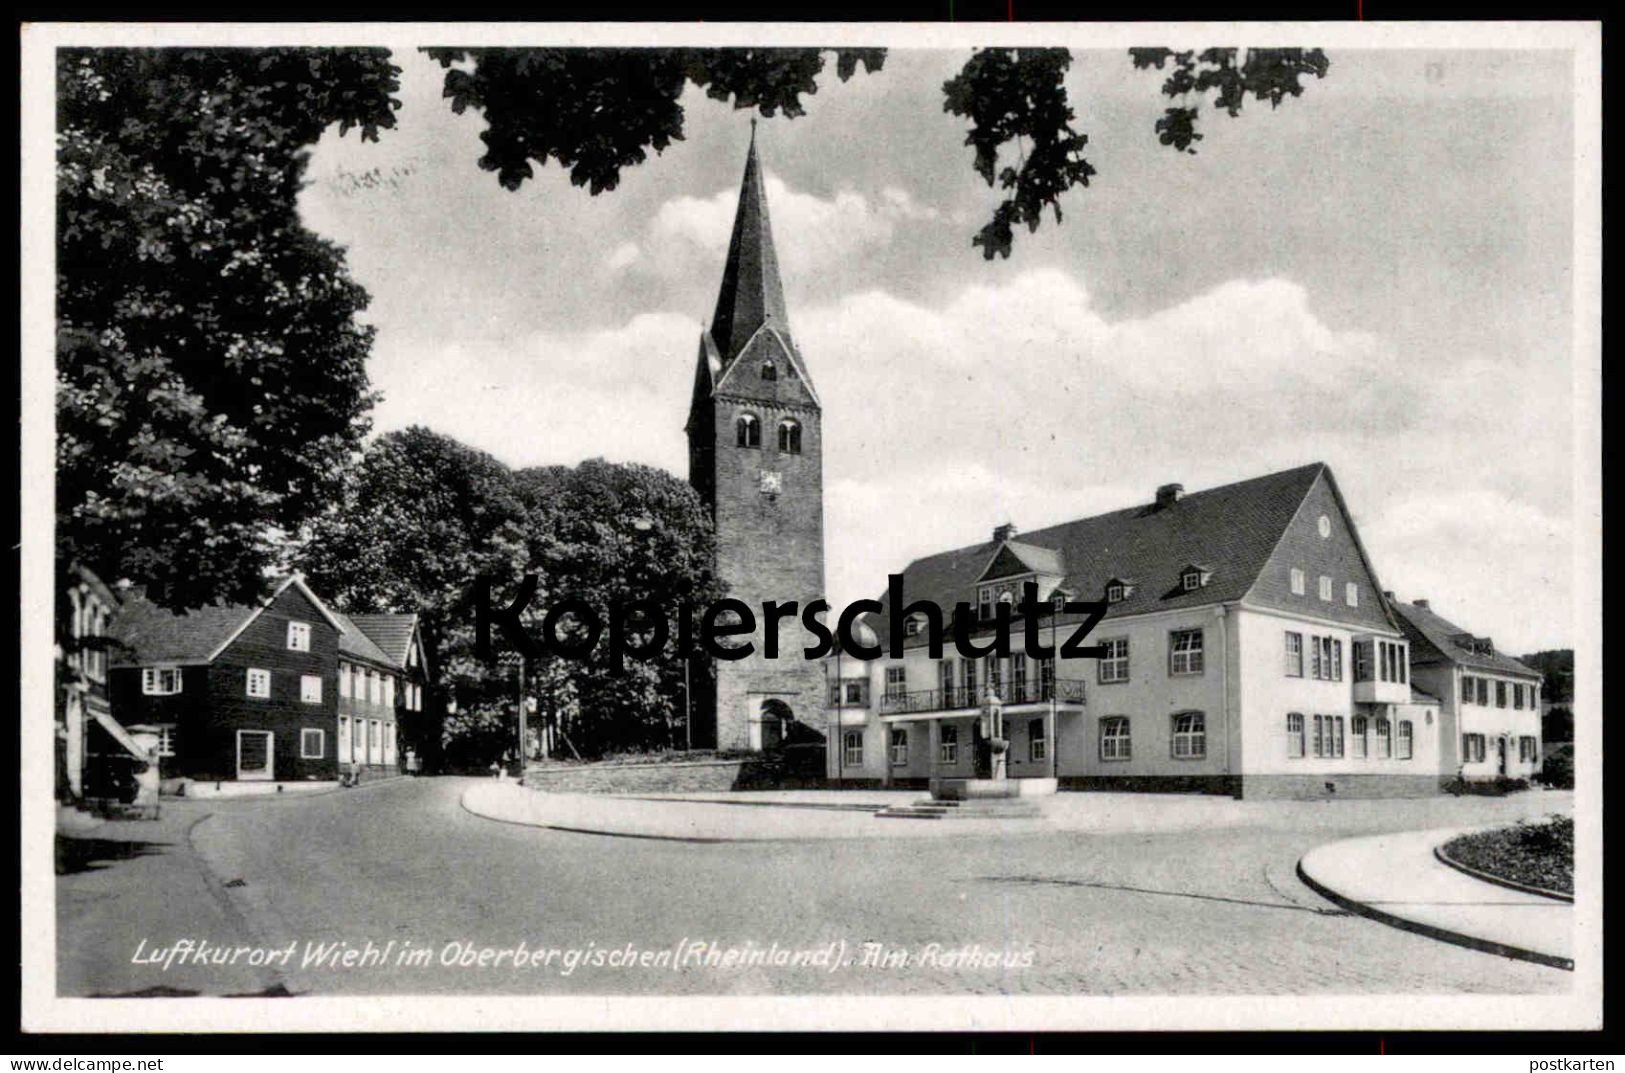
column 422, row 516
column 211, row 378
column 613, row 534
column 419, row 517
column 1268, row 74
column 596, row 111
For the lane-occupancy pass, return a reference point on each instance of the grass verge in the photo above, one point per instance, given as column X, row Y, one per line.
column 1539, row 854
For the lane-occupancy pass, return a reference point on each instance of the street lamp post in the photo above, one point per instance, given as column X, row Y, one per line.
column 524, row 738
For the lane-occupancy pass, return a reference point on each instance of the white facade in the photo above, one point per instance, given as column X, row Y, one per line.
column 1498, row 737
column 1241, row 699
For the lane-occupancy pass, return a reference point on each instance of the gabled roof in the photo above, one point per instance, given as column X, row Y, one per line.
column 356, row 644
column 149, row 634
column 1234, row 529
column 1028, row 559
column 794, row 387
column 751, row 293
column 390, row 632
column 1432, row 639
column 293, row 581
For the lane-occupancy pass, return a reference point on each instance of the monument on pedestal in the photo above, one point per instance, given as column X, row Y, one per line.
column 992, row 782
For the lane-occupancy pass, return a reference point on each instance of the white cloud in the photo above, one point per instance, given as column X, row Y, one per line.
column 1023, row 402
column 811, row 233
column 621, row 394
column 623, row 256
column 1490, row 563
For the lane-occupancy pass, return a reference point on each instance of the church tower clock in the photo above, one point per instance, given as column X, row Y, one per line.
column 755, row 455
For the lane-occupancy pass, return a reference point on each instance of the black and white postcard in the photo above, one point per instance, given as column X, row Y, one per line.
column 738, row 526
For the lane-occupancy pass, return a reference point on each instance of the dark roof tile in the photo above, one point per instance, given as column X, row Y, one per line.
column 1431, row 637
column 357, row 644
column 1232, row 530
column 391, row 632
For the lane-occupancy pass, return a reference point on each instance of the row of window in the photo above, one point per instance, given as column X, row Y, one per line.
column 1187, row 738
column 1186, row 657
column 1188, row 741
column 1477, row 691
column 947, row 745
column 358, row 682
column 1191, row 578
column 1325, row 588
column 1473, row 752
column 1325, row 657
column 365, row 741
column 166, row 681
column 373, row 742
column 748, row 433
column 89, row 621
column 1323, row 738
column 363, row 683
column 1369, row 738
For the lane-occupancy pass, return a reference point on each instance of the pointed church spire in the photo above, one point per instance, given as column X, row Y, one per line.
column 751, row 294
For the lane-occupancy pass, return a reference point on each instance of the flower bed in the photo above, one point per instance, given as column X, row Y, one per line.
column 1533, row 854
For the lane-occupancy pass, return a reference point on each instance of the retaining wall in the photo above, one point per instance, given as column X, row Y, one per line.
column 685, row 776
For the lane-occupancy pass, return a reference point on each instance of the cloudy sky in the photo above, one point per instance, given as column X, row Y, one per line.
column 1377, row 276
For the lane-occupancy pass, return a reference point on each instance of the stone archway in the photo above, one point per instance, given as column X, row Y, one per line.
column 777, row 718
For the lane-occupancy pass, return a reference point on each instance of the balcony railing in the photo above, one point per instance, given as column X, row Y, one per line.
column 1064, row 691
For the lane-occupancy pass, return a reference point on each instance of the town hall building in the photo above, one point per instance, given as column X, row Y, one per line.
column 1249, row 650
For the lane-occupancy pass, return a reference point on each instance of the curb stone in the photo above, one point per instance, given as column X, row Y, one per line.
column 1472, row 942
column 1500, row 881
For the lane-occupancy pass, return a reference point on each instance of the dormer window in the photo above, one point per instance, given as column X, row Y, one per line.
column 1119, row 589
column 913, row 625
column 769, row 371
column 1193, row 577
column 748, row 430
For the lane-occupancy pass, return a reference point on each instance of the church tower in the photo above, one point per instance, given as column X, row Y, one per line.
column 756, row 456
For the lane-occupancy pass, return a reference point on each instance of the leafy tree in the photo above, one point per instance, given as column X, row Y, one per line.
column 1020, row 95
column 611, row 535
column 597, row 111
column 1557, row 724
column 1556, row 667
column 1268, row 74
column 210, row 369
column 420, row 516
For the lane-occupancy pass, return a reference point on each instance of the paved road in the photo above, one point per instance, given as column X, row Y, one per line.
column 1190, row 912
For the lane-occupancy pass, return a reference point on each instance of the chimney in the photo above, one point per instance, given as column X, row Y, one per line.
column 1169, row 494
column 1423, row 604
column 1004, row 532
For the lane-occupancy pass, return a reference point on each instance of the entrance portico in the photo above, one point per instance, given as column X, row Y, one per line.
column 951, row 725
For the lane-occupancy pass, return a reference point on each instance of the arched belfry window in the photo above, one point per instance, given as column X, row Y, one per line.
column 769, row 371
column 749, row 430
column 790, row 436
